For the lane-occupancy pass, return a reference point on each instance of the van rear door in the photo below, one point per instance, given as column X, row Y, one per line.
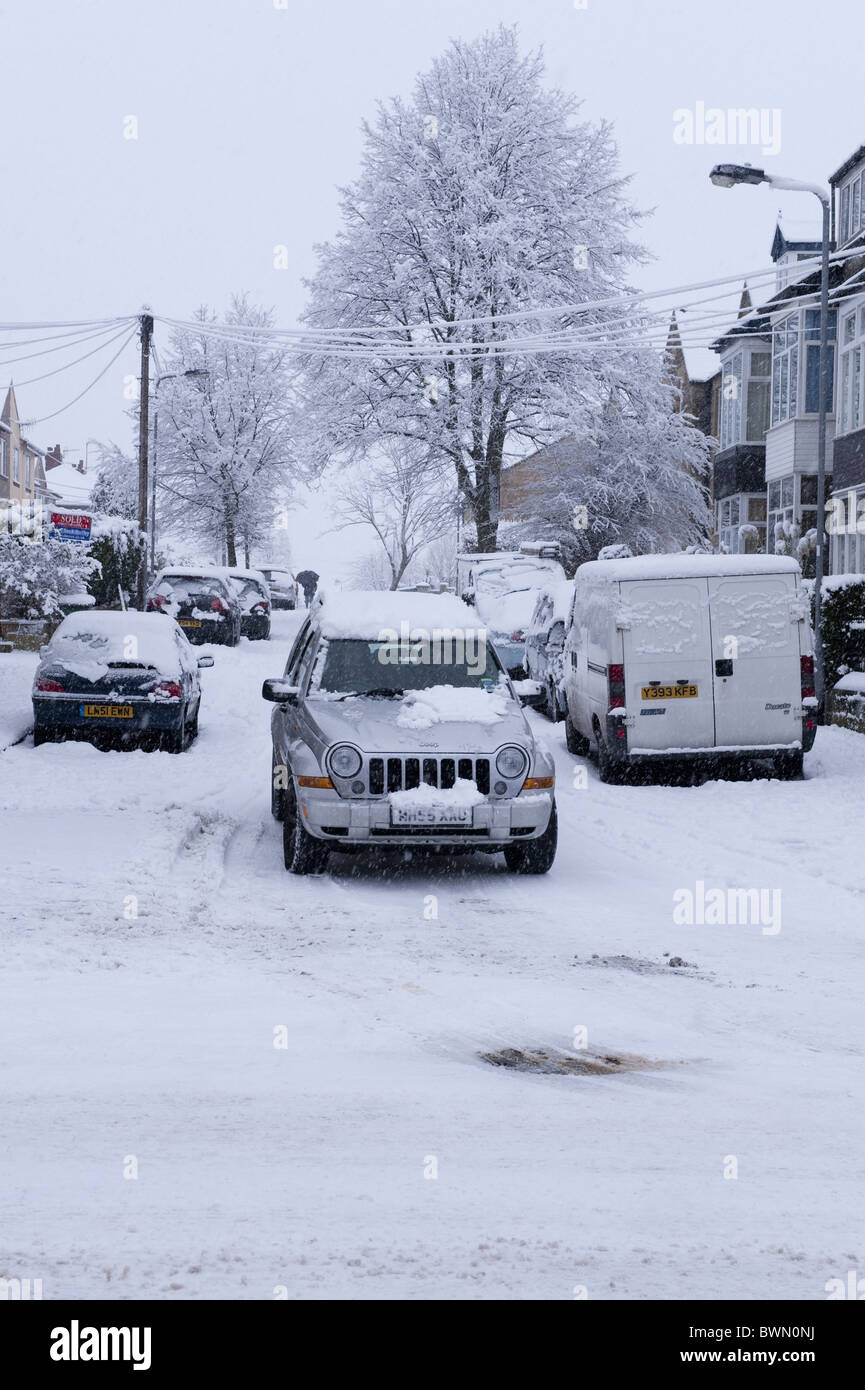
column 755, row 651
column 668, row 670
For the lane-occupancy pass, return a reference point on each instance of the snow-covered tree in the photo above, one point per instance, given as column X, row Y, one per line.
column 636, row 482
column 224, row 448
column 400, row 499
column 482, row 196
column 115, row 491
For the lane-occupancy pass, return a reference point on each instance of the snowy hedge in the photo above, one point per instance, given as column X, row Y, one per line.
column 843, row 607
column 118, row 546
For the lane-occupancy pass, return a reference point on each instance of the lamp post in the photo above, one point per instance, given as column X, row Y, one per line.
column 192, row 374
column 726, row 176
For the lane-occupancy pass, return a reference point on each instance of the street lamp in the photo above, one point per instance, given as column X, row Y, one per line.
column 726, row 176
column 192, row 374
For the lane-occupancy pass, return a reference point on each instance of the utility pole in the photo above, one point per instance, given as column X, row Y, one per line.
column 143, row 434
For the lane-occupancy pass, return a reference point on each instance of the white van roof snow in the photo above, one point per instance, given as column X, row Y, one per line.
column 682, row 566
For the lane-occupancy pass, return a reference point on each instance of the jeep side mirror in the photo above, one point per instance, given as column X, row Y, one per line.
column 280, row 691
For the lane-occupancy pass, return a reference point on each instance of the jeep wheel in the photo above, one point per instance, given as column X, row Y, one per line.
column 535, row 856
column 303, row 854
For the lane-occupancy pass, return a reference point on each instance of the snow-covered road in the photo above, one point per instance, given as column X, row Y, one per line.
column 155, row 950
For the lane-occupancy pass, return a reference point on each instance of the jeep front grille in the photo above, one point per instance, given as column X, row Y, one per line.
column 398, row 774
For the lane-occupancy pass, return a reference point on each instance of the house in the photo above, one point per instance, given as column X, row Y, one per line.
column 22, row 466
column 770, row 365
column 847, row 499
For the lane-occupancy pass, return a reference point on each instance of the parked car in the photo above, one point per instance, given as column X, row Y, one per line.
column 253, row 595
column 386, row 739
column 545, row 642
column 688, row 658
column 505, row 596
column 283, row 586
column 202, row 601
column 118, row 678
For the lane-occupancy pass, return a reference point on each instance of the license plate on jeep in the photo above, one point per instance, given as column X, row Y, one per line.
column 670, row 692
column 431, row 815
column 190, row 622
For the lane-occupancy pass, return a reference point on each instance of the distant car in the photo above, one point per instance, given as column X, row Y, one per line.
column 545, row 642
column 283, row 587
column 505, row 596
column 119, row 678
column 202, row 601
column 380, row 743
column 253, row 595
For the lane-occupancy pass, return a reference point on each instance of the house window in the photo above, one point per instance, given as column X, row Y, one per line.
column 785, row 369
column 759, row 381
column 16, row 466
column 852, row 218
column 742, row 524
column 4, row 464
column 781, row 533
column 787, row 352
column 27, row 473
column 851, row 366
column 812, row 360
column 731, row 402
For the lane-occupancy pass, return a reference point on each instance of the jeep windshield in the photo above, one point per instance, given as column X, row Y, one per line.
column 351, row 666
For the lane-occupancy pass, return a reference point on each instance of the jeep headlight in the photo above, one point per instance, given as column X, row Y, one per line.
column 512, row 761
column 343, row 760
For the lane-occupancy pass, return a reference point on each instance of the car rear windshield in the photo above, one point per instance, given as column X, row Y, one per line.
column 184, row 586
column 248, row 589
column 354, row 666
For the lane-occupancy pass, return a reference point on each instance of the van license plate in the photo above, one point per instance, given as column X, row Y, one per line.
column 106, row 711
column 431, row 815
column 670, row 692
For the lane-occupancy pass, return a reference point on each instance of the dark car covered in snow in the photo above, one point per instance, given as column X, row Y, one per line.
column 118, row 679
column 202, row 601
column 253, row 595
column 395, row 726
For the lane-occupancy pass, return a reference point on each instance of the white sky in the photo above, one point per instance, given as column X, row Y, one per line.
column 249, row 118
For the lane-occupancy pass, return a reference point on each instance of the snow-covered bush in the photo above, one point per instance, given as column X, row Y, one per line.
column 35, row 576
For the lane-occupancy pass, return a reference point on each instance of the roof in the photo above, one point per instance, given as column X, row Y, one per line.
column 847, row 166
column 370, row 615
column 683, row 566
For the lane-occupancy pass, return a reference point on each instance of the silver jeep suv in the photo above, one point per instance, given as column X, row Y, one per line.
column 396, row 725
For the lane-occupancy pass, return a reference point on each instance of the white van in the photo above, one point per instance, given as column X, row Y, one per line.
column 690, row 657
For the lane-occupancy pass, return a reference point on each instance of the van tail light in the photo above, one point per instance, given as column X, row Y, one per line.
column 49, row 686
column 807, row 665
column 616, row 686
column 167, row 690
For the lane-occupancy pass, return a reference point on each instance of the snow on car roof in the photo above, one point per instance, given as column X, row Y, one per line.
column 681, row 566
column 88, row 642
column 234, row 573
column 191, row 572
column 365, row 614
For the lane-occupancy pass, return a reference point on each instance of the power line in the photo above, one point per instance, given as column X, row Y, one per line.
column 96, row 379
